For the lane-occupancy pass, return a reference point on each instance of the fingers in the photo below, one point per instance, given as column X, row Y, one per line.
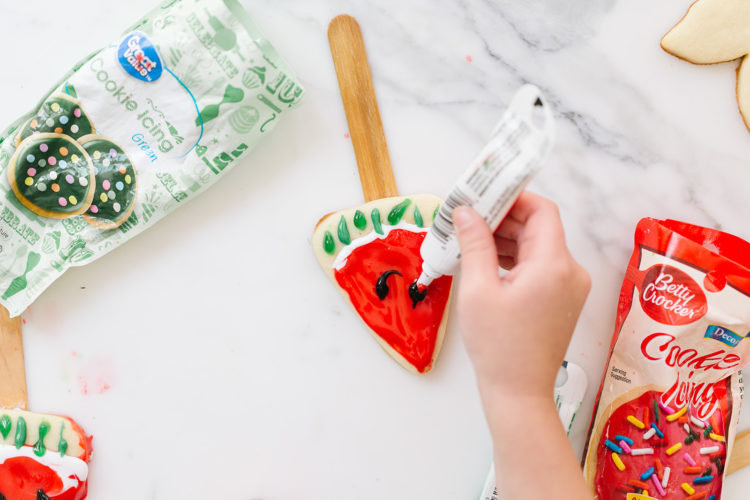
column 479, row 259
column 534, row 223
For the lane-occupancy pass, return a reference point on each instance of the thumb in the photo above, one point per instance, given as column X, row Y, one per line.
column 478, row 251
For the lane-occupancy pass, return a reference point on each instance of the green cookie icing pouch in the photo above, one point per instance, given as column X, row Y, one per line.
column 131, row 133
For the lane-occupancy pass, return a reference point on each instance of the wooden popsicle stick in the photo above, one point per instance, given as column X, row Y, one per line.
column 740, row 457
column 361, row 106
column 12, row 370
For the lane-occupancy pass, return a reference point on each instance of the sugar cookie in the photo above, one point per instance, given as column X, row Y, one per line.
column 59, row 114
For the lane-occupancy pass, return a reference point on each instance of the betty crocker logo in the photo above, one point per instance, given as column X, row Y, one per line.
column 671, row 297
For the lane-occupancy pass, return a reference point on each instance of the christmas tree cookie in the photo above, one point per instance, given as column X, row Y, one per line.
column 371, row 254
column 59, row 114
column 115, row 192
column 52, row 175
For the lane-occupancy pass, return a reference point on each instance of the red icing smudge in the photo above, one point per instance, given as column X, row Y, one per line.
column 468, row 58
column 22, row 477
column 410, row 331
column 346, row 135
column 611, row 482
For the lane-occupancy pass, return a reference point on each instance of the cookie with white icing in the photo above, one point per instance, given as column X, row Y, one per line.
column 52, row 175
column 115, row 185
column 716, row 31
column 372, row 255
column 59, row 114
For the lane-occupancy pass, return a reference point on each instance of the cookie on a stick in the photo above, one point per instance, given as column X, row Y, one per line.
column 371, row 252
column 42, row 457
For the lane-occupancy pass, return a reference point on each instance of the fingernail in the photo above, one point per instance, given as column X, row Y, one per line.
column 461, row 218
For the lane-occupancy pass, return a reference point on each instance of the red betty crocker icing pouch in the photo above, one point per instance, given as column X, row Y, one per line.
column 668, row 405
column 132, row 132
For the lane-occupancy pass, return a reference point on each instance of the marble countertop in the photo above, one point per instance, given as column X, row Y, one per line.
column 210, row 357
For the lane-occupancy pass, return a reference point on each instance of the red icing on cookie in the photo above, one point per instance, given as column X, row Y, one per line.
column 611, row 483
column 410, row 331
column 22, row 477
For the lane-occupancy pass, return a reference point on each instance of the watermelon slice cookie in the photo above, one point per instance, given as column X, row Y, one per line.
column 115, row 194
column 52, row 175
column 660, row 451
column 42, row 457
column 59, row 114
column 371, row 253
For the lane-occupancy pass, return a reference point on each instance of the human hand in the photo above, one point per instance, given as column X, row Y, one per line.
column 516, row 328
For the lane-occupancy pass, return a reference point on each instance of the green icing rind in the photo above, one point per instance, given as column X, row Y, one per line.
column 20, row 438
column 328, row 244
column 398, row 211
column 360, row 221
column 39, row 449
column 5, row 425
column 418, row 217
column 437, row 209
column 375, row 216
column 61, row 121
column 343, row 231
column 62, row 445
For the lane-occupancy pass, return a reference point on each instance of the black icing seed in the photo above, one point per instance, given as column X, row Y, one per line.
column 381, row 287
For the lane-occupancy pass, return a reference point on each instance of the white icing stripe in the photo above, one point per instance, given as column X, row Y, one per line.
column 340, row 259
column 71, row 470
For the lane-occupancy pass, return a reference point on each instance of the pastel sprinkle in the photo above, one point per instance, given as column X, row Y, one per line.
column 77, row 112
column 42, row 162
column 63, row 163
column 649, row 433
column 52, row 160
column 116, row 207
column 120, row 186
column 647, row 475
column 105, row 185
column 665, row 409
column 55, row 107
column 658, row 486
column 34, row 123
column 688, row 489
column 624, row 438
column 53, row 175
column 41, row 186
column 112, row 152
column 665, row 480
column 111, row 195
column 676, row 415
column 55, row 187
column 658, row 431
column 122, row 170
column 62, row 201
column 97, row 155
column 106, row 162
column 636, row 422
column 30, row 158
column 625, row 447
column 49, row 122
column 642, row 451
column 69, row 179
column 74, row 158
column 618, row 461
column 686, row 457
column 72, row 199
column 74, row 128
column 64, row 120
column 612, row 446
column 127, row 179
column 103, row 197
column 31, row 171
column 29, row 181
column 94, row 209
column 83, row 181
column 709, row 449
column 674, row 448
column 58, row 130
column 43, row 148
column 64, row 151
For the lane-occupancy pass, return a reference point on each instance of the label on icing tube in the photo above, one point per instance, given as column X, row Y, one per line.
column 570, row 388
column 131, row 133
column 521, row 142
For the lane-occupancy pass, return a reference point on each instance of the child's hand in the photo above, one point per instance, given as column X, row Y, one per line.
column 517, row 328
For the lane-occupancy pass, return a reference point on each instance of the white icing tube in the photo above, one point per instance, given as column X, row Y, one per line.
column 494, row 180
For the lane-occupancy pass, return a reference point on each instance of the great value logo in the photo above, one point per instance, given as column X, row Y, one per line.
column 139, row 58
column 723, row 335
